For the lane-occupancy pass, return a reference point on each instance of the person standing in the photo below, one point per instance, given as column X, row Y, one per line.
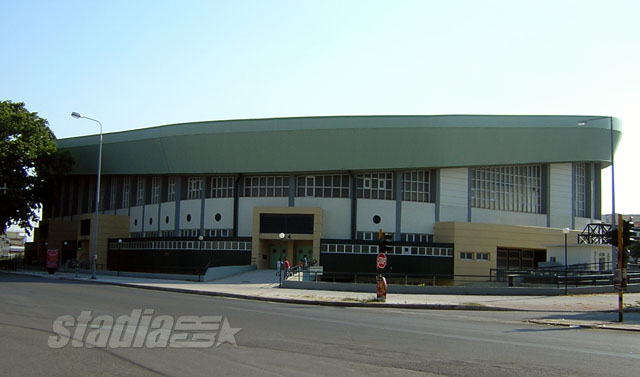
column 278, row 267
column 287, row 266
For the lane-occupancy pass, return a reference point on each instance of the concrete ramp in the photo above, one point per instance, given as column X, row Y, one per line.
column 218, row 273
column 242, row 275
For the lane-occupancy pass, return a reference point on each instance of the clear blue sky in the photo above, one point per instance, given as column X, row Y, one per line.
column 135, row 63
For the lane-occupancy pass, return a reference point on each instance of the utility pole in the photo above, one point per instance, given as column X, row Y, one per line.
column 621, row 270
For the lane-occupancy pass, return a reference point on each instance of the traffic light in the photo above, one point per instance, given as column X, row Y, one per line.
column 626, row 233
column 611, row 236
column 625, row 258
column 384, row 240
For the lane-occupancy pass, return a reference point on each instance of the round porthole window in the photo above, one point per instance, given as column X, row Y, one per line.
column 376, row 219
column 150, row 221
column 218, row 217
column 135, row 222
column 189, row 218
column 166, row 220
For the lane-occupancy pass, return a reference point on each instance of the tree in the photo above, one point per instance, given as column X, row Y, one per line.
column 29, row 164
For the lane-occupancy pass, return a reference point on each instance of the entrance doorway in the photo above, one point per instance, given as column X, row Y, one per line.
column 304, row 250
column 276, row 252
column 69, row 251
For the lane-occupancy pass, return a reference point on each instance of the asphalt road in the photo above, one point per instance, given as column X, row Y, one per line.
column 295, row 340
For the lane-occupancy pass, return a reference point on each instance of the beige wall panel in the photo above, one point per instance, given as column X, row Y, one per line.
column 259, row 241
column 246, row 212
column 486, row 238
column 490, row 216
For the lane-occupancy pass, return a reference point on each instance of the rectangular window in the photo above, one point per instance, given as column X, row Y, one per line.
column 579, row 187
column 375, row 186
column 85, row 227
column 114, row 193
column 218, row 232
column 126, row 182
column 323, row 186
column 156, row 183
column 507, row 188
column 222, row 187
column 520, row 258
column 464, row 255
column 415, row 186
column 188, row 233
column 194, row 187
column 266, row 186
column 482, row 256
column 171, row 189
column 140, row 192
column 416, row 237
column 367, row 236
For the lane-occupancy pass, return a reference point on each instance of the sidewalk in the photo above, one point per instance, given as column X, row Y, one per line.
column 594, row 311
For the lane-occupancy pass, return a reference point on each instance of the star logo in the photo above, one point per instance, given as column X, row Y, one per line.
column 227, row 334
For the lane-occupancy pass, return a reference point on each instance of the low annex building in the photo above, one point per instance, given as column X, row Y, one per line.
column 463, row 195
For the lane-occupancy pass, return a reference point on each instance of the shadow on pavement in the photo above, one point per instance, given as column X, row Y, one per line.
column 630, row 318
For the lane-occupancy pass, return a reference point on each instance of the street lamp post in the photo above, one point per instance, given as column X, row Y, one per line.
column 281, row 236
column 94, row 257
column 566, row 270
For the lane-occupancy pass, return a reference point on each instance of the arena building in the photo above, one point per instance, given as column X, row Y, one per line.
column 463, row 195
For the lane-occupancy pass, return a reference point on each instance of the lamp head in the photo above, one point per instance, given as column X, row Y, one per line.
column 566, row 230
column 77, row 115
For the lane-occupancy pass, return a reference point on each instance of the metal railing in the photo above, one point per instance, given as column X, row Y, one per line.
column 392, row 278
column 574, row 278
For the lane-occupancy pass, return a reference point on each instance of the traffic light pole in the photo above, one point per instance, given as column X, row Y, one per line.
column 620, row 267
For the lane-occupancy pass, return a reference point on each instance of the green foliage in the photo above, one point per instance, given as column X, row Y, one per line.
column 29, row 164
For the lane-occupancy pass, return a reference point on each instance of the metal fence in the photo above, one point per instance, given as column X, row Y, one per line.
column 497, row 277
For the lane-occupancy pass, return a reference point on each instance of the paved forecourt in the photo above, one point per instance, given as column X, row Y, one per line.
column 263, row 284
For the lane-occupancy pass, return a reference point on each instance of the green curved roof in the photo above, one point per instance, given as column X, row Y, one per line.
column 347, row 143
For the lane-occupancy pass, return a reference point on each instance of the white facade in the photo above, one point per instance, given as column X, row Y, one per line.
column 560, row 212
column 597, row 257
column 368, row 209
column 418, row 217
column 336, row 215
column 450, row 200
column 218, row 213
column 454, row 194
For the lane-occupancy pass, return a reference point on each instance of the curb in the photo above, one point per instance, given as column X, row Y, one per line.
column 577, row 324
